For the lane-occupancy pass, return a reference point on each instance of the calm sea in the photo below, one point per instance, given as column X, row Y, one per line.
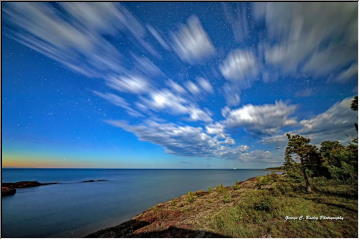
column 74, row 209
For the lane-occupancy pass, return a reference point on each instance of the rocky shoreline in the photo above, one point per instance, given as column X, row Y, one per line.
column 254, row 208
column 179, row 217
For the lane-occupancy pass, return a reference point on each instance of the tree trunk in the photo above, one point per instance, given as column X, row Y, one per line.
column 307, row 184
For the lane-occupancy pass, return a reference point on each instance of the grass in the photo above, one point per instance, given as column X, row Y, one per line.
column 261, row 212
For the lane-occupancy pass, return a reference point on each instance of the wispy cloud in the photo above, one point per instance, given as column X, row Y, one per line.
column 348, row 74
column 264, row 119
column 336, row 124
column 165, row 100
column 240, row 67
column 178, row 139
column 120, row 102
column 77, row 42
column 192, row 43
column 299, row 39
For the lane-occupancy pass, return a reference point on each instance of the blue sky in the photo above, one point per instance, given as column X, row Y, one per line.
column 174, row 85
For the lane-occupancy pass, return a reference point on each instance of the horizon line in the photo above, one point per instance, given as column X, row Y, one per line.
column 136, row 168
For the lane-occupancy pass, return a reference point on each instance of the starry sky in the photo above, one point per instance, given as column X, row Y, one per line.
column 175, row 84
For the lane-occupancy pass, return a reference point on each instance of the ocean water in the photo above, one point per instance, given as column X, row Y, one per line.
column 75, row 209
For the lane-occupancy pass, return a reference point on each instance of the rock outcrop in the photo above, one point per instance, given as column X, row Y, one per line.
column 8, row 189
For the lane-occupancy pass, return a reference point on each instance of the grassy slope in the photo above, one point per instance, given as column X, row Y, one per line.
column 253, row 208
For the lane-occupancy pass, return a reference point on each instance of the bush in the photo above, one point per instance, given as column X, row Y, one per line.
column 190, row 197
column 220, row 189
column 266, row 180
column 264, row 204
column 227, row 198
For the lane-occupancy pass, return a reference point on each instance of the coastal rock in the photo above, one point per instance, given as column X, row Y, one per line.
column 25, row 184
column 92, row 180
column 7, row 191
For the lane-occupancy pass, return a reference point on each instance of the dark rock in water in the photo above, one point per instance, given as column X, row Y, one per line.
column 25, row 184
column 7, row 191
column 99, row 180
column 10, row 188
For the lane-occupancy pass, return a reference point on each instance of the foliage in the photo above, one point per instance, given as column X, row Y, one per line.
column 354, row 103
column 333, row 160
column 190, row 197
column 220, row 189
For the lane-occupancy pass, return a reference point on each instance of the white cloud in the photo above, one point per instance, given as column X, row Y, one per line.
column 205, row 84
column 146, row 66
column 119, row 101
column 259, row 156
column 264, row 119
column 167, row 101
column 235, row 14
column 176, row 87
column 299, row 39
column 191, row 43
column 337, row 123
column 181, row 140
column 348, row 74
column 232, row 94
column 238, row 66
column 130, row 83
column 158, row 37
column 216, row 128
column 191, row 87
column 77, row 41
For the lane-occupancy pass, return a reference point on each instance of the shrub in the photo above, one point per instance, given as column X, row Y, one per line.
column 227, row 198
column 264, row 204
column 190, row 197
column 220, row 189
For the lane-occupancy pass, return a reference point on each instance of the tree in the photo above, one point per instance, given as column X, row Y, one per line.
column 354, row 103
column 309, row 156
column 354, row 106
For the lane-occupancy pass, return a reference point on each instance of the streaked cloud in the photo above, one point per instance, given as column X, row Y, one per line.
column 348, row 74
column 191, row 42
column 299, row 39
column 120, row 102
column 130, row 83
column 336, row 124
column 158, row 37
column 79, row 41
column 265, row 119
column 237, row 18
column 165, row 100
column 179, row 139
column 205, row 84
column 240, row 67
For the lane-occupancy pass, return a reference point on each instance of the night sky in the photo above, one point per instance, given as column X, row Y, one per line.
column 174, row 85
